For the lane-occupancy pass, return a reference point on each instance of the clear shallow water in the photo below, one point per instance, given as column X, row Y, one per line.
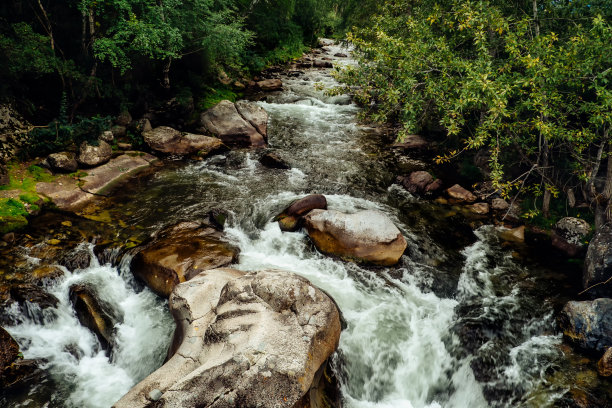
column 458, row 323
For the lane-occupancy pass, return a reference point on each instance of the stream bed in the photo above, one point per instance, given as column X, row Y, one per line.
column 464, row 320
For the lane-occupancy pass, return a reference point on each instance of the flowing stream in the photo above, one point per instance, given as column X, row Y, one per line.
column 462, row 321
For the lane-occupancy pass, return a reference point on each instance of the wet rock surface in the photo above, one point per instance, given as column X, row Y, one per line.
column 243, row 339
column 94, row 314
column 274, row 161
column 181, row 252
column 366, row 236
column 69, row 194
column 290, row 219
column 598, row 264
column 588, row 324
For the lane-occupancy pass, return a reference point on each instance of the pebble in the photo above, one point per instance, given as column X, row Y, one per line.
column 155, row 395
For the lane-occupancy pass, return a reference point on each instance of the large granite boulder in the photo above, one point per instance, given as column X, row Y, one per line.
column 96, row 315
column 568, row 235
column 588, row 324
column 237, row 127
column 181, row 252
column 166, row 140
column 90, row 155
column 254, row 114
column 291, row 217
column 62, row 162
column 598, row 264
column 367, row 236
column 242, row 339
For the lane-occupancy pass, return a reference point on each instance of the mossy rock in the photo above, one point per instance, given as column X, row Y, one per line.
column 12, row 223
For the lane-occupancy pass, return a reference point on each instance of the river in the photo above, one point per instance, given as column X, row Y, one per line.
column 463, row 321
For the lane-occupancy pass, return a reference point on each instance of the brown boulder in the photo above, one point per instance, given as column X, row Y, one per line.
column 9, row 350
column 255, row 115
column 604, row 365
column 367, row 236
column 290, row 219
column 224, row 121
column 412, row 142
column 179, row 253
column 460, row 194
column 499, row 204
column 273, row 161
column 270, row 85
column 512, row 235
column 255, row 339
column 94, row 314
column 479, row 208
column 420, row 182
column 166, row 140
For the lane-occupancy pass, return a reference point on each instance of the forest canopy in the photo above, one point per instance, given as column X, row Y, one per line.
column 527, row 82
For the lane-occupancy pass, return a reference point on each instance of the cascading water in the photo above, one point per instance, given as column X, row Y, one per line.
column 459, row 323
column 82, row 374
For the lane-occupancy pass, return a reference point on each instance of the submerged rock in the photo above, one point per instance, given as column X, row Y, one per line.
column 94, row 314
column 598, row 264
column 91, row 156
column 367, row 236
column 224, row 121
column 588, row 324
column 290, row 219
column 179, row 253
column 166, row 140
column 273, row 161
column 243, row 339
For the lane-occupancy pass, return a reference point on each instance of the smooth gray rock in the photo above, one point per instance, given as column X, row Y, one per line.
column 242, row 340
column 366, row 236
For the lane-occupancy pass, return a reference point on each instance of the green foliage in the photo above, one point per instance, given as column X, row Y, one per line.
column 60, row 135
column 213, row 96
column 495, row 76
column 30, row 198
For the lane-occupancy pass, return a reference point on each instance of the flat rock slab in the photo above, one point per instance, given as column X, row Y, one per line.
column 67, row 194
column 243, row 339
